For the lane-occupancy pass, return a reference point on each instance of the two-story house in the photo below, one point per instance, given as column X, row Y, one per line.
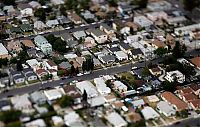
column 43, row 44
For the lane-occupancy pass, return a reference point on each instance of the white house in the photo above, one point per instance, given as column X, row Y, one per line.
column 153, row 16
column 116, row 120
column 57, row 2
column 52, row 23
column 143, row 21
column 165, row 108
column 43, row 44
column 48, row 64
column 33, row 63
column 101, row 86
column 25, row 9
column 121, row 56
column 4, row 52
column 79, row 34
column 153, row 98
column 88, row 87
column 118, row 85
column 21, row 102
column 175, row 75
column 98, row 35
column 149, row 113
column 134, row 38
column 53, row 94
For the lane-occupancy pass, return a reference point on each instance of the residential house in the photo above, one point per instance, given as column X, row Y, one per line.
column 41, row 73
column 110, row 98
column 21, row 103
column 25, row 9
column 119, row 86
column 26, row 27
column 98, row 35
column 101, row 86
column 79, row 35
column 149, row 113
column 57, row 121
column 196, row 62
column 117, row 104
column 88, row 15
column 57, row 2
column 72, row 119
column 72, row 43
column 4, row 52
column 14, row 47
column 48, row 64
column 134, row 38
column 10, row 10
column 174, row 101
column 89, row 42
column 38, row 97
column 195, row 87
column 153, row 98
column 66, row 37
column 75, row 18
column 53, row 94
column 121, row 56
column 166, row 109
column 17, row 77
column 43, row 44
column 29, row 74
column 137, row 53
column 36, row 123
column 106, row 59
column 52, row 23
column 195, row 104
column 107, row 29
column 156, row 71
column 39, row 25
column 72, row 91
column 138, row 103
column 33, row 63
column 35, row 4
column 28, row 43
column 131, row 25
column 175, row 20
column 158, row 44
column 4, row 81
column 175, row 76
column 125, row 47
column 88, row 87
column 96, row 101
column 64, row 66
column 159, row 6
column 142, row 21
column 116, row 120
column 159, row 15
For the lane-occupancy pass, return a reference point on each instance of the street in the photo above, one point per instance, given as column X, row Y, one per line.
column 191, row 122
column 112, row 70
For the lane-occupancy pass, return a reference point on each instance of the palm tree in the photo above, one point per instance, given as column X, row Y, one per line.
column 145, row 46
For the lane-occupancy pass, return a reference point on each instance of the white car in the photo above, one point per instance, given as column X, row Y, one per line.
column 80, row 74
column 133, row 68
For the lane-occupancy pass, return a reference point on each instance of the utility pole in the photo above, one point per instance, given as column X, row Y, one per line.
column 145, row 46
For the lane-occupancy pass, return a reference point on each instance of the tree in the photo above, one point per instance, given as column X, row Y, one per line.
column 10, row 115
column 145, row 71
column 179, row 50
column 168, row 86
column 40, row 13
column 85, row 95
column 3, row 62
column 77, row 70
column 72, row 70
column 9, row 2
column 84, row 66
column 61, row 72
column 113, row 3
column 191, row 4
column 19, row 66
column 66, row 101
column 140, row 3
column 160, row 51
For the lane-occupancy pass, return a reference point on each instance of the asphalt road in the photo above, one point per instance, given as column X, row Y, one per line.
column 192, row 122
column 97, row 73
